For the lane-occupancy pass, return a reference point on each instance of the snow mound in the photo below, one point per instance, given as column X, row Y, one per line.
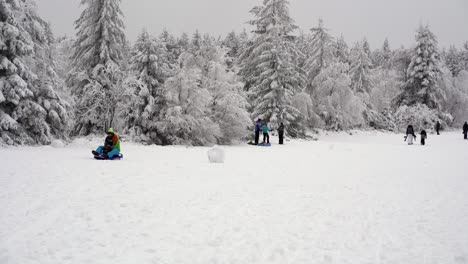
column 57, row 144
column 216, row 155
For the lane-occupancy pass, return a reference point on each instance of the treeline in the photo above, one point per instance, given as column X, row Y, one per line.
column 200, row 89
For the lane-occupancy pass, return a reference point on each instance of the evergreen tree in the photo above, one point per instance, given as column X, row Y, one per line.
column 210, row 97
column 96, row 76
column 360, row 69
column 229, row 103
column 400, row 61
column 335, row 101
column 423, row 73
column 269, row 66
column 183, row 43
column 233, row 45
column 151, row 67
column 173, row 50
column 30, row 109
column 186, row 117
column 381, row 57
column 454, row 60
column 320, row 51
column 341, row 50
column 465, row 56
column 366, row 47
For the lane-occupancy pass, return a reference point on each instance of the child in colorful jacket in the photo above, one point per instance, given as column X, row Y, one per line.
column 111, row 146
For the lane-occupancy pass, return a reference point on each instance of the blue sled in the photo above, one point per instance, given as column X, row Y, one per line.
column 100, row 157
column 264, row 145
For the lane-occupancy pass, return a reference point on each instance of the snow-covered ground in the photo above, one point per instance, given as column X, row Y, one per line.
column 366, row 198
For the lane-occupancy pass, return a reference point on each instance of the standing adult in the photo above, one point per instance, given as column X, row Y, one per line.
column 258, row 127
column 465, row 130
column 410, row 136
column 266, row 131
column 438, row 128
column 281, row 134
column 423, row 137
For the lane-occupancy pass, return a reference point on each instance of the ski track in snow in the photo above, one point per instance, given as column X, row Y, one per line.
column 367, row 198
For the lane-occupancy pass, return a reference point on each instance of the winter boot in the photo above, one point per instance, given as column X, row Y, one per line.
column 95, row 153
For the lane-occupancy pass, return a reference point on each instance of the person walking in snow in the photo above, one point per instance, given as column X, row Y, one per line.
column 266, row 131
column 438, row 128
column 281, row 134
column 258, row 127
column 423, row 137
column 465, row 130
column 410, row 136
column 111, row 146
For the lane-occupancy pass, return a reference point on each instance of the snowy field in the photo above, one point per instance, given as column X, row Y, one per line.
column 366, row 198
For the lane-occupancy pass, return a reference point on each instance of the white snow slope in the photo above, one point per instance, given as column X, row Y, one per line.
column 367, row 198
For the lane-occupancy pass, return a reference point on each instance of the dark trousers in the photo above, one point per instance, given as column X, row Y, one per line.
column 257, row 137
column 438, row 133
column 465, row 134
column 266, row 138
column 281, row 138
column 423, row 141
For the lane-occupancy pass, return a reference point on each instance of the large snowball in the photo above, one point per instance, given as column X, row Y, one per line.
column 216, row 155
column 57, row 144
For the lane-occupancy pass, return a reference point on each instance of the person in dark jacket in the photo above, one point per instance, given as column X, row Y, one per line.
column 258, row 127
column 423, row 137
column 438, row 128
column 465, row 130
column 410, row 136
column 281, row 134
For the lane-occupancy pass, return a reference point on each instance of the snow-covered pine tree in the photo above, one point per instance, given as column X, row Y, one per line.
column 362, row 84
column 386, row 49
column 196, row 42
column 233, row 45
column 173, row 50
column 360, row 70
column 366, row 47
column 456, row 89
column 423, row 73
column 183, row 42
column 63, row 49
column 209, row 95
column 320, row 51
column 334, row 99
column 243, row 39
column 269, row 66
column 96, row 77
column 49, row 88
column 185, row 119
column 454, row 60
column 150, row 65
column 400, row 61
column 465, row 56
column 30, row 110
column 229, row 104
column 381, row 57
column 341, row 50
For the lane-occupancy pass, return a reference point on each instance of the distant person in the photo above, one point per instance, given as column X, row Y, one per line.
column 281, row 134
column 410, row 136
column 111, row 146
column 438, row 128
column 266, row 133
column 423, row 137
column 465, row 130
column 258, row 127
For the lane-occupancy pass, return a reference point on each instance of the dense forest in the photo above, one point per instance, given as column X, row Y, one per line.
column 199, row 89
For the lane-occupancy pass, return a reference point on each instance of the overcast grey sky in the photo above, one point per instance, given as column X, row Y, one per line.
column 375, row 19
